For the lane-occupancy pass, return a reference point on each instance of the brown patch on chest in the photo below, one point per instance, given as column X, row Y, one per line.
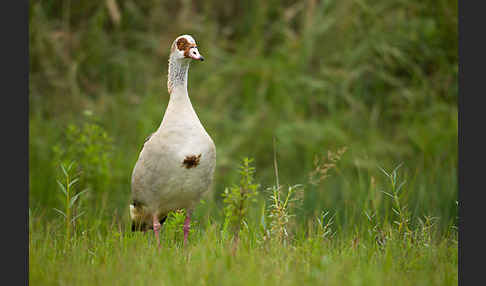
column 183, row 45
column 191, row 161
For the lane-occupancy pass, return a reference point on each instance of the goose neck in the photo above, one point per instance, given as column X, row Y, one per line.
column 177, row 75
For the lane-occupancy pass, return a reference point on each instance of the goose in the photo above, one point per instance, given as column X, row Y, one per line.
column 176, row 164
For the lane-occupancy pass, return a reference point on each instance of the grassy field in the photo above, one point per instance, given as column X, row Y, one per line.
column 269, row 249
column 110, row 257
column 355, row 100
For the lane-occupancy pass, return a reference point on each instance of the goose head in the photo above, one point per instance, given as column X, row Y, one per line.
column 184, row 48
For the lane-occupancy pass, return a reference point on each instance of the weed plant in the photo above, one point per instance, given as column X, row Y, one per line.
column 237, row 199
column 69, row 199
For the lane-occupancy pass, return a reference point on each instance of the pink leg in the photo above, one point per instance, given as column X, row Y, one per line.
column 187, row 223
column 156, row 229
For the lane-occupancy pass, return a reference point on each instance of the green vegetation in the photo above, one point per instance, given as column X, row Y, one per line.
column 70, row 198
column 348, row 110
column 237, row 199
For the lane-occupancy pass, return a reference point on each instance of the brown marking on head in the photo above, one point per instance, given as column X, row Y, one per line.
column 183, row 44
column 191, row 161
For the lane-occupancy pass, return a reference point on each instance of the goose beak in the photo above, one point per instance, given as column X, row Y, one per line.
column 194, row 54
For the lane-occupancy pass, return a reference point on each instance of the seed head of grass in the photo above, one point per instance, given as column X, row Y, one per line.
column 323, row 165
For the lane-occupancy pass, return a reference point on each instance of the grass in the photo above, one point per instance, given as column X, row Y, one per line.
column 121, row 258
column 340, row 91
column 272, row 251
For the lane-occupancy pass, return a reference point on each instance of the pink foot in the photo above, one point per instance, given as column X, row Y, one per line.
column 156, row 229
column 187, row 223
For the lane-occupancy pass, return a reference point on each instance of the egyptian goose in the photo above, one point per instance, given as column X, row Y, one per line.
column 176, row 164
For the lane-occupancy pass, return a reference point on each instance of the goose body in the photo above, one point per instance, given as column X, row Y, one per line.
column 176, row 164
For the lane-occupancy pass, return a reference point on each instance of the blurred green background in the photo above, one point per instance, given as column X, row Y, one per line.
column 377, row 77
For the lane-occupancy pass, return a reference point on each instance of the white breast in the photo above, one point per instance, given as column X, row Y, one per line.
column 176, row 164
